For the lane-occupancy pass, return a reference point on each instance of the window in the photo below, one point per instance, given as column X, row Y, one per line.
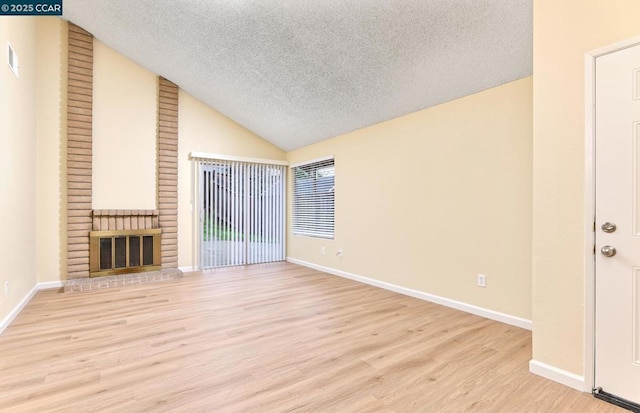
column 314, row 198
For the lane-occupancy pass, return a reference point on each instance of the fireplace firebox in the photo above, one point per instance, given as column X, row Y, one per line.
column 124, row 251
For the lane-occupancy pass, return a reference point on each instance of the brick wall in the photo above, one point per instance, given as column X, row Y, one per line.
column 79, row 150
column 125, row 219
column 168, row 171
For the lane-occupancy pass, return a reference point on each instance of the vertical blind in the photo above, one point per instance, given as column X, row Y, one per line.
column 314, row 198
column 242, row 213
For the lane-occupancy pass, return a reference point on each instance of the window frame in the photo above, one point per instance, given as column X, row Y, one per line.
column 312, row 212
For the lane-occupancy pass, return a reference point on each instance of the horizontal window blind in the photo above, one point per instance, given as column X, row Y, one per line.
column 314, row 199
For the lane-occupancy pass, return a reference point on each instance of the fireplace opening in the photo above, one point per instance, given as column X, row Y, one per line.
column 126, row 251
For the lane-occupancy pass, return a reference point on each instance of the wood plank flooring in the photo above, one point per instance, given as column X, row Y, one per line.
column 267, row 338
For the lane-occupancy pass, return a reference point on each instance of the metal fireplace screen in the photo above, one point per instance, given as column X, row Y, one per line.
column 121, row 252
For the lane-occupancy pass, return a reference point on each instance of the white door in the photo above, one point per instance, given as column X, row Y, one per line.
column 617, row 231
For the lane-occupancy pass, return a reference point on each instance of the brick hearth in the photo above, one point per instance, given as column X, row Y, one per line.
column 117, row 281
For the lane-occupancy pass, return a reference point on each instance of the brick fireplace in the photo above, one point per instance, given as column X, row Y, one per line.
column 124, row 241
column 116, row 242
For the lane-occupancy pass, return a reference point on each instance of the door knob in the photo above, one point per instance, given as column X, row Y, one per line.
column 608, row 251
column 608, row 227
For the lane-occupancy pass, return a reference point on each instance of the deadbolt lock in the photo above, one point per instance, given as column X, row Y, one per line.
column 609, row 227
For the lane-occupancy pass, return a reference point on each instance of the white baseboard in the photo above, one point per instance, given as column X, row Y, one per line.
column 458, row 305
column 187, row 269
column 14, row 313
column 558, row 375
column 22, row 304
column 51, row 284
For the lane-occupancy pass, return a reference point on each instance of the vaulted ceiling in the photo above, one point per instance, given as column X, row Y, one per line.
column 297, row 72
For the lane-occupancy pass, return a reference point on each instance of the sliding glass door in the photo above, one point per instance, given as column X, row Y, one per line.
column 241, row 212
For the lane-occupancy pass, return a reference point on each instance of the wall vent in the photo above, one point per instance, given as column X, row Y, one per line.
column 12, row 59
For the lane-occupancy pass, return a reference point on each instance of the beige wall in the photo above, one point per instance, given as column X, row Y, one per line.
column 124, row 131
column 18, row 177
column 475, row 140
column 32, row 155
column 51, row 155
column 202, row 129
column 563, row 32
column 428, row 200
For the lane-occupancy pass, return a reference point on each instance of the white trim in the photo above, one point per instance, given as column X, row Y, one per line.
column 589, row 219
column 188, row 269
column 589, row 205
column 195, row 215
column 14, row 313
column 312, row 234
column 614, row 47
column 458, row 305
column 210, row 156
column 324, row 158
column 558, row 375
column 50, row 284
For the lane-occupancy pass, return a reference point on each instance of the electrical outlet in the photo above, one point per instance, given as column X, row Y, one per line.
column 6, row 288
column 323, row 250
column 482, row 280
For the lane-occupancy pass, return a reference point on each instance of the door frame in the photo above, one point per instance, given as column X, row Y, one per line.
column 590, row 204
column 194, row 198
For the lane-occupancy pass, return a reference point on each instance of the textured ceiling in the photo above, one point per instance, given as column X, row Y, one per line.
column 297, row 72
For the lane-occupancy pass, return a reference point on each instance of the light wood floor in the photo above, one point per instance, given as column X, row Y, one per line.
column 268, row 338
